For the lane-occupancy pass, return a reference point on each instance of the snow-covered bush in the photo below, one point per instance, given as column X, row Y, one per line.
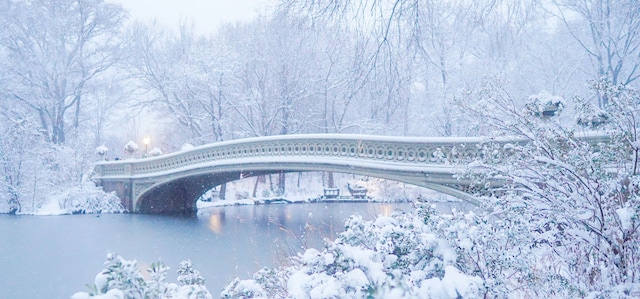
column 31, row 168
column 155, row 152
column 497, row 250
column 89, row 200
column 590, row 116
column 131, row 147
column 186, row 147
column 101, row 150
column 579, row 200
column 396, row 256
column 544, row 104
column 122, row 279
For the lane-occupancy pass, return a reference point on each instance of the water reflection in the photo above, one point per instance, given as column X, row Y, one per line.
column 215, row 222
column 386, row 209
column 294, row 227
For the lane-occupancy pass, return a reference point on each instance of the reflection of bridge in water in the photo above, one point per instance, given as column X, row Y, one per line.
column 172, row 183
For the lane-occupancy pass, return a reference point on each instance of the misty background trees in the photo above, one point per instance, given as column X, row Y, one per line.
column 78, row 74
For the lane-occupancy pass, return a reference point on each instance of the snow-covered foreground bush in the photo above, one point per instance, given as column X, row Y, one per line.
column 391, row 257
column 123, row 279
column 575, row 202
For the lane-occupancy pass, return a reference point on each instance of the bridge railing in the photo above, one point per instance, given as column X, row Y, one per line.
column 382, row 149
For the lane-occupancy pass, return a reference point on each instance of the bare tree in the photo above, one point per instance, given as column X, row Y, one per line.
column 160, row 66
column 276, row 77
column 609, row 32
column 54, row 49
column 442, row 46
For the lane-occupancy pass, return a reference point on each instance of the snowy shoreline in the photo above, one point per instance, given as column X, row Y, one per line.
column 52, row 208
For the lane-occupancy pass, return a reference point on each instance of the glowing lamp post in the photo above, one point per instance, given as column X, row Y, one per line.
column 146, row 142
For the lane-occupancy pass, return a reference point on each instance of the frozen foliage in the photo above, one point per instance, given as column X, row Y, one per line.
column 87, row 200
column 544, row 104
column 101, row 150
column 35, row 174
column 575, row 204
column 123, row 279
column 155, row 152
column 131, row 147
column 590, row 116
column 393, row 256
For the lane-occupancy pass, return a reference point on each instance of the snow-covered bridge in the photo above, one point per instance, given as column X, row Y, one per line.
column 172, row 183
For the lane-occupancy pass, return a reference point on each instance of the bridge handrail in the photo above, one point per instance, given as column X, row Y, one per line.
column 394, row 149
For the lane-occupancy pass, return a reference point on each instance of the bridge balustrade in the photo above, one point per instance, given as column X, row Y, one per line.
column 410, row 150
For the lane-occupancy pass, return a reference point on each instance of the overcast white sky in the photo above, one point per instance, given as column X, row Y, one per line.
column 207, row 14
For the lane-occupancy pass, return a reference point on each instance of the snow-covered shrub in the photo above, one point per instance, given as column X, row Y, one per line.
column 89, row 200
column 31, row 167
column 544, row 104
column 190, row 282
column 590, row 116
column 186, row 147
column 122, row 279
column 497, row 250
column 101, row 150
column 155, row 152
column 131, row 147
column 396, row 256
column 579, row 200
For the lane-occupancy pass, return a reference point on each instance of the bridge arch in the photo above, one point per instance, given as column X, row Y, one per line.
column 178, row 194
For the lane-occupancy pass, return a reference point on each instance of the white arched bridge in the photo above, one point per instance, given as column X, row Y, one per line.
column 172, row 183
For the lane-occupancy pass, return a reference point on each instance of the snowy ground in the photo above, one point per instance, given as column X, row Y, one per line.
column 307, row 187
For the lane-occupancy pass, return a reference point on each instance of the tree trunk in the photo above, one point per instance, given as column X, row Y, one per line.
column 259, row 179
column 58, row 129
column 330, row 180
column 14, row 202
column 281, row 183
column 223, row 191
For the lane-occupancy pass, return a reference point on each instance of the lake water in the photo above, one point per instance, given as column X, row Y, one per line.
column 56, row 256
